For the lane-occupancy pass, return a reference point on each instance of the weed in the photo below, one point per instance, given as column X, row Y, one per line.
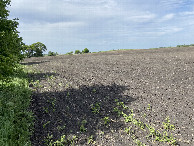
column 155, row 134
column 45, row 109
column 61, row 127
column 128, row 118
column 138, row 123
column 68, row 94
column 102, row 132
column 167, row 125
column 160, row 137
column 106, row 120
column 52, row 77
column 60, row 84
column 121, row 104
column 149, row 107
column 94, row 90
column 95, row 108
column 117, row 111
column 48, row 140
column 82, row 127
column 127, row 130
column 116, row 100
column 91, row 140
column 139, row 143
column 46, row 124
column 65, row 141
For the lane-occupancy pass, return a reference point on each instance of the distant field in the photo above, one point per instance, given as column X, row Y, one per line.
column 125, row 97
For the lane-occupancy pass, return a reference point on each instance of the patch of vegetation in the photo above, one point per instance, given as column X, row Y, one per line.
column 15, row 117
column 106, row 120
column 86, row 50
column 50, row 53
column 69, row 53
column 185, row 45
column 82, row 127
column 11, row 44
column 167, row 124
column 64, row 141
column 95, row 108
column 35, row 50
column 78, row 52
column 91, row 140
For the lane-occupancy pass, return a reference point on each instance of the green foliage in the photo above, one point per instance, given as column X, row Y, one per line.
column 82, row 127
column 50, row 53
column 127, row 130
column 10, row 42
column 69, row 53
column 106, row 120
column 149, row 107
column 85, row 50
column 185, row 45
column 64, row 141
column 78, row 52
column 167, row 124
column 15, row 117
column 91, row 140
column 95, row 108
column 35, row 50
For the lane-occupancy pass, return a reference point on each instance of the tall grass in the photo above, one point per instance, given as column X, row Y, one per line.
column 15, row 116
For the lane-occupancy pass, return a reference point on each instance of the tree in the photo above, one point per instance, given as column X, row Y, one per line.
column 85, row 50
column 77, row 52
column 38, row 49
column 35, row 50
column 10, row 42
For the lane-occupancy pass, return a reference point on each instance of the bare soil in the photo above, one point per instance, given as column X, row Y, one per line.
column 70, row 85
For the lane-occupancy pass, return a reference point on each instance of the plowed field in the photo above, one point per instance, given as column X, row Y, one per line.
column 127, row 97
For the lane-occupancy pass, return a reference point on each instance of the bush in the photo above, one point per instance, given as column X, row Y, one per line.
column 69, row 53
column 50, row 53
column 85, row 50
column 77, row 52
column 16, row 119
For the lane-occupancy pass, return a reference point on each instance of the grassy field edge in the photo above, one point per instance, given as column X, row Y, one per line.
column 16, row 119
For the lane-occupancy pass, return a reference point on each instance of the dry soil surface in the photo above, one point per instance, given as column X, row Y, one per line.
column 79, row 95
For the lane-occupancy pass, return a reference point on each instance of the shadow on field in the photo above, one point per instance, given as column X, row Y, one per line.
column 62, row 113
column 33, row 63
column 40, row 76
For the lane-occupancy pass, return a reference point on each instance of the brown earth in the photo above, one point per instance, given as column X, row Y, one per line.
column 69, row 85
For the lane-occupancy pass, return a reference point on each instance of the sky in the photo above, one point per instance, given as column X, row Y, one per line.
column 102, row 25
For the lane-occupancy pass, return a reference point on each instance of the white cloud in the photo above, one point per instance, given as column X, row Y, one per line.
column 186, row 13
column 142, row 17
column 167, row 17
column 164, row 31
column 172, row 4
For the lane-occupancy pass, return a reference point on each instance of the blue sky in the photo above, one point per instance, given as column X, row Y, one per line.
column 100, row 25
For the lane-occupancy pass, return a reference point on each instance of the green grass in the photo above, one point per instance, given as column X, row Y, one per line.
column 15, row 118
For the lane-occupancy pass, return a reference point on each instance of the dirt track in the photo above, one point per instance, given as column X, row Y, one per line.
column 70, row 84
